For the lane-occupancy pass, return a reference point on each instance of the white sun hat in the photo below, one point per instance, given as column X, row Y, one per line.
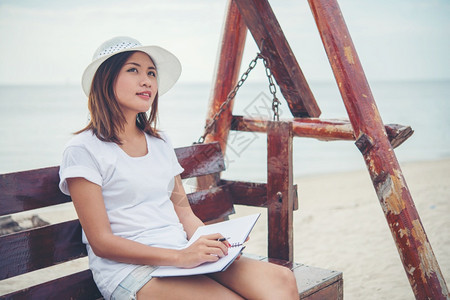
column 167, row 65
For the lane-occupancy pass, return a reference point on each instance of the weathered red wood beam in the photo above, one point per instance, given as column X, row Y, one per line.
column 415, row 251
column 269, row 37
column 226, row 74
column 325, row 130
column 279, row 190
column 228, row 64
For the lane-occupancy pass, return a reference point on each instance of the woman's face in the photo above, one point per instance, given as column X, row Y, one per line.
column 136, row 86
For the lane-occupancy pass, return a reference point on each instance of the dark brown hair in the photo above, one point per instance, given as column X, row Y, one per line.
column 107, row 119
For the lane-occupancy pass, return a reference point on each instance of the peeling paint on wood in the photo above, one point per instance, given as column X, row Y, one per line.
column 349, row 55
column 428, row 263
column 388, row 193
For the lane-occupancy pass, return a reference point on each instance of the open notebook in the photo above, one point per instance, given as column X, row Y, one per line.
column 237, row 230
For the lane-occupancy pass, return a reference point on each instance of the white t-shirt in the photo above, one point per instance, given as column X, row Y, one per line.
column 136, row 192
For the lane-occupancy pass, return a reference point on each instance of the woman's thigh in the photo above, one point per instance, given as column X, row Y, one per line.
column 255, row 279
column 189, row 287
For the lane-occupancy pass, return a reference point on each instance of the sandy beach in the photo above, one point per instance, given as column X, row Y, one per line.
column 339, row 226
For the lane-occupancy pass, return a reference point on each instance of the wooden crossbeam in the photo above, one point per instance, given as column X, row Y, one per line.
column 325, row 130
column 269, row 37
column 252, row 193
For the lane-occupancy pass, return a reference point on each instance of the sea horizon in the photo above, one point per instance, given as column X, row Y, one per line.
column 36, row 123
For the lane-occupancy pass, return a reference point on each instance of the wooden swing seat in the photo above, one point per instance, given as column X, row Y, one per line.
column 42, row 247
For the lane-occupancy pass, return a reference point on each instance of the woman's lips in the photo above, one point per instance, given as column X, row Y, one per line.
column 145, row 95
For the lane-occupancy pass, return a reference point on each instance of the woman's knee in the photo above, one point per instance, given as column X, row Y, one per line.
column 286, row 280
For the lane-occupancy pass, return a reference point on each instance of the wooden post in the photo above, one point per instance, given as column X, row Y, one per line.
column 409, row 235
column 228, row 65
column 227, row 72
column 280, row 190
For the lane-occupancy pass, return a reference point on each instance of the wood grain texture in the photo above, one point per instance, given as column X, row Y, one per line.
column 41, row 247
column 28, row 190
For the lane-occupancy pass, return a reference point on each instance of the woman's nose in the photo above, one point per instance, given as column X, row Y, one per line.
column 146, row 81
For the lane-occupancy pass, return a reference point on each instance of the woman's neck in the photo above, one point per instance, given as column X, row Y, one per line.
column 133, row 140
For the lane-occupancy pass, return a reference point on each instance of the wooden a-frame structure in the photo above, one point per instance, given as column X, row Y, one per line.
column 375, row 140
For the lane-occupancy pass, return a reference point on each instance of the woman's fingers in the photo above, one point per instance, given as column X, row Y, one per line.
column 208, row 248
column 214, row 241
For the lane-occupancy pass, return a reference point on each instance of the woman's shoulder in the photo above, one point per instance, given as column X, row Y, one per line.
column 164, row 137
column 85, row 139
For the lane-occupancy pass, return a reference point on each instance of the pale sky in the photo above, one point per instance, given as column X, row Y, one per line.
column 51, row 42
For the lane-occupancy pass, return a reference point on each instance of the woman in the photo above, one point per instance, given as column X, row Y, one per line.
column 123, row 177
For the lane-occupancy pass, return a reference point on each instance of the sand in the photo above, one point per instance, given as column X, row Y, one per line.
column 340, row 225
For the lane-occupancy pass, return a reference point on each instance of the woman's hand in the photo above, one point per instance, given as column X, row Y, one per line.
column 207, row 248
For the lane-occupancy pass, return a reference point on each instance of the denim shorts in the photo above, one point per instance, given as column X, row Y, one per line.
column 128, row 288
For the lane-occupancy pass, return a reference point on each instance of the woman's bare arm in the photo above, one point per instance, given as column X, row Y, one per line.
column 183, row 209
column 88, row 201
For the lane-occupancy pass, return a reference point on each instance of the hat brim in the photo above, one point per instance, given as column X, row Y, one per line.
column 167, row 65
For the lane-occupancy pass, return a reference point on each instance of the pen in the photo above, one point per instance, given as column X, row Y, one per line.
column 222, row 239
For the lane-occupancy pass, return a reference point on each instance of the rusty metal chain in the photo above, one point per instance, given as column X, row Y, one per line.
column 225, row 105
column 272, row 88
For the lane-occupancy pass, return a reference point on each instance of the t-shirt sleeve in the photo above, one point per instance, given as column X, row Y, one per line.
column 78, row 162
column 176, row 167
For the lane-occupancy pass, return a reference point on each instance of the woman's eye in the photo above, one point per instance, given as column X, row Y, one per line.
column 152, row 73
column 132, row 70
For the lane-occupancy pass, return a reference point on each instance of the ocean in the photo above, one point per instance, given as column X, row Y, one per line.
column 37, row 121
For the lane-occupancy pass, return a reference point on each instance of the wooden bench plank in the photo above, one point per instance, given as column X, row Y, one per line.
column 77, row 286
column 28, row 190
column 38, row 248
column 200, row 159
column 317, row 283
column 211, row 204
